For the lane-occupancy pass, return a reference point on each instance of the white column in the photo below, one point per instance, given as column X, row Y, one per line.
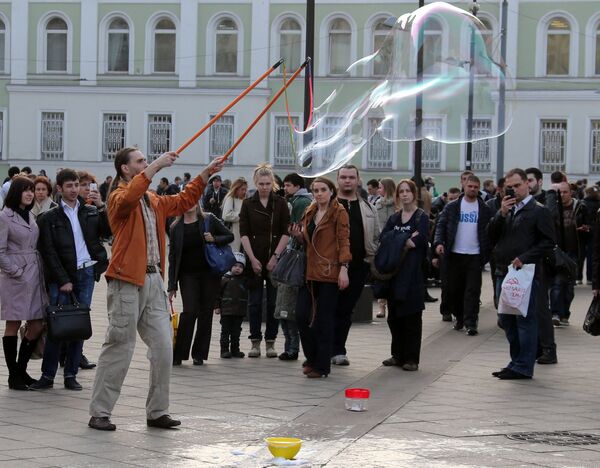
column 88, row 66
column 512, row 31
column 187, row 44
column 18, row 41
column 259, row 44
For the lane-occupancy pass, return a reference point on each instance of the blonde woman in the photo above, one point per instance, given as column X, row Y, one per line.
column 264, row 222
column 386, row 207
column 232, row 205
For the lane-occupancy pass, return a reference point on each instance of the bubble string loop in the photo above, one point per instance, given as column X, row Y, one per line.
column 261, row 78
column 265, row 110
column 292, row 127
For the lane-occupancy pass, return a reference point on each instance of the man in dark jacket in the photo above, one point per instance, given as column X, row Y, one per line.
column 461, row 236
column 522, row 233
column 73, row 257
column 212, row 201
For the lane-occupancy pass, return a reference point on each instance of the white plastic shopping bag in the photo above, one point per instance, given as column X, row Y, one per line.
column 516, row 290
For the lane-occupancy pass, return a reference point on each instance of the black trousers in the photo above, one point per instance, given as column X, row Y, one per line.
column 544, row 316
column 316, row 334
column 406, row 335
column 357, row 274
column 231, row 328
column 464, row 285
column 445, row 304
column 198, row 294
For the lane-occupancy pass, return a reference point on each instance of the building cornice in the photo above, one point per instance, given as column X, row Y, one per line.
column 136, row 90
column 552, row 95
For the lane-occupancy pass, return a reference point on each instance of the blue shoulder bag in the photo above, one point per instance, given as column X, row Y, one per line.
column 220, row 259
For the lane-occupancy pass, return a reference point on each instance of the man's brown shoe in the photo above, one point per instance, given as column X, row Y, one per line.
column 164, row 422
column 101, row 424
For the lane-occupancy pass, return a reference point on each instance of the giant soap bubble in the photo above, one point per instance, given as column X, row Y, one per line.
column 448, row 35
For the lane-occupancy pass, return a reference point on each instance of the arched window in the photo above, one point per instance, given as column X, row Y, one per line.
column 165, row 46
column 381, row 66
column 2, row 47
column 290, row 43
column 340, row 41
column 597, row 55
column 558, row 46
column 432, row 46
column 226, row 42
column 487, row 34
column 118, row 46
column 57, row 42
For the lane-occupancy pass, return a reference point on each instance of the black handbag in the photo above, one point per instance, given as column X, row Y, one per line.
column 561, row 263
column 69, row 322
column 291, row 267
column 591, row 324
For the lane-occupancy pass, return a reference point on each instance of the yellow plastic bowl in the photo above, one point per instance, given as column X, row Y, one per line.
column 284, row 447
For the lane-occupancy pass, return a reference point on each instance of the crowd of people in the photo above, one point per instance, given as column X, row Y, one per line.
column 53, row 249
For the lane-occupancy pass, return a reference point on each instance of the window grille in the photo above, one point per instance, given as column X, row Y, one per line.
column 327, row 155
column 431, row 157
column 52, row 135
column 114, row 128
column 159, row 135
column 553, row 139
column 594, row 147
column 379, row 152
column 481, row 157
column 284, row 152
column 221, row 137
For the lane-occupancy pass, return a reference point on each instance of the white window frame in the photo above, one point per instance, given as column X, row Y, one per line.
column 299, row 143
column 541, row 51
column 276, row 38
column 494, row 32
column 324, row 42
column 231, row 160
column 150, row 43
column 64, row 133
column 367, row 148
column 101, row 131
column 211, row 43
column 103, row 43
column 3, row 133
column 538, row 153
column 7, row 33
column 590, row 148
column 491, row 141
column 42, row 43
column 369, row 38
column 443, row 147
column 148, row 115
column 592, row 31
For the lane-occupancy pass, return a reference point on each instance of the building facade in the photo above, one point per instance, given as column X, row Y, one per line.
column 81, row 78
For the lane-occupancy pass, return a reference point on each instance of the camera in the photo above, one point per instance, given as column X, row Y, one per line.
column 510, row 192
column 94, row 187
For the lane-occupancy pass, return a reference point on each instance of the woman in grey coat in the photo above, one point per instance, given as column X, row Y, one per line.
column 22, row 292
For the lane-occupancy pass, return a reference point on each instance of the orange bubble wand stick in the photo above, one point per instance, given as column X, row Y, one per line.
column 229, row 106
column 264, row 111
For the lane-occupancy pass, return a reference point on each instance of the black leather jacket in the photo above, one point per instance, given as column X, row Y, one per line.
column 596, row 255
column 222, row 235
column 528, row 234
column 56, row 243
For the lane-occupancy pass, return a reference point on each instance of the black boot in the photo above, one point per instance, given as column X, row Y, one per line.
column 15, row 381
column 225, row 354
column 25, row 351
column 235, row 349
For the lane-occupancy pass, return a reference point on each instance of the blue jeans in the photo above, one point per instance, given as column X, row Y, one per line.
column 292, row 338
column 255, row 307
column 83, row 288
column 562, row 292
column 521, row 333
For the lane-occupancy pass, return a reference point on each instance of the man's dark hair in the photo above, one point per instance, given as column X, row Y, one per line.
column 295, row 179
column 66, row 175
column 27, row 170
column 17, row 187
column 535, row 171
column 516, row 171
column 501, row 182
column 164, row 180
column 453, row 190
column 465, row 173
column 557, row 177
column 349, row 166
column 373, row 183
column 13, row 171
column 474, row 178
column 187, row 176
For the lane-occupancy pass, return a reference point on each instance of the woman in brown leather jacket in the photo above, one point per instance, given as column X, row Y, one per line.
column 325, row 233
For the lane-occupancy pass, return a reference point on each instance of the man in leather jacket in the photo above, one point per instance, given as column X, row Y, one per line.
column 522, row 232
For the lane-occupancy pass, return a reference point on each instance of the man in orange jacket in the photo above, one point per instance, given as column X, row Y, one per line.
column 136, row 293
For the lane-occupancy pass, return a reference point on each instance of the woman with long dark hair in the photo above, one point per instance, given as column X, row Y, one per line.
column 22, row 292
column 386, row 207
column 405, row 293
column 325, row 232
column 199, row 285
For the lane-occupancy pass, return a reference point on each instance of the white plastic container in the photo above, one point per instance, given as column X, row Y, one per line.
column 357, row 399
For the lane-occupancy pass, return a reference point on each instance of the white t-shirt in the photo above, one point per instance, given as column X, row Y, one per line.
column 467, row 241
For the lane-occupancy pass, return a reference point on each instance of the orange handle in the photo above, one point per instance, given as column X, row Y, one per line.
column 229, row 106
column 264, row 111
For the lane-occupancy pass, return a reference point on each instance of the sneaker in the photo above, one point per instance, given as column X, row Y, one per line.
column 285, row 356
column 446, row 317
column 564, row 322
column 198, row 362
column 391, row 361
column 315, row 375
column 459, row 325
column 236, row 353
column 472, row 331
column 556, row 320
column 340, row 360
column 101, row 424
column 225, row 355
column 547, row 357
column 164, row 422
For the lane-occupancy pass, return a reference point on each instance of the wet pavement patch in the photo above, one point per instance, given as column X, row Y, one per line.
column 562, row 438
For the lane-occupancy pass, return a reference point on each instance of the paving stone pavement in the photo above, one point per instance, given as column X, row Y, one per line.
column 450, row 413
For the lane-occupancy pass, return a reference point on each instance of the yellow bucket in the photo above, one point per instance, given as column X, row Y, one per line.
column 284, row 447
